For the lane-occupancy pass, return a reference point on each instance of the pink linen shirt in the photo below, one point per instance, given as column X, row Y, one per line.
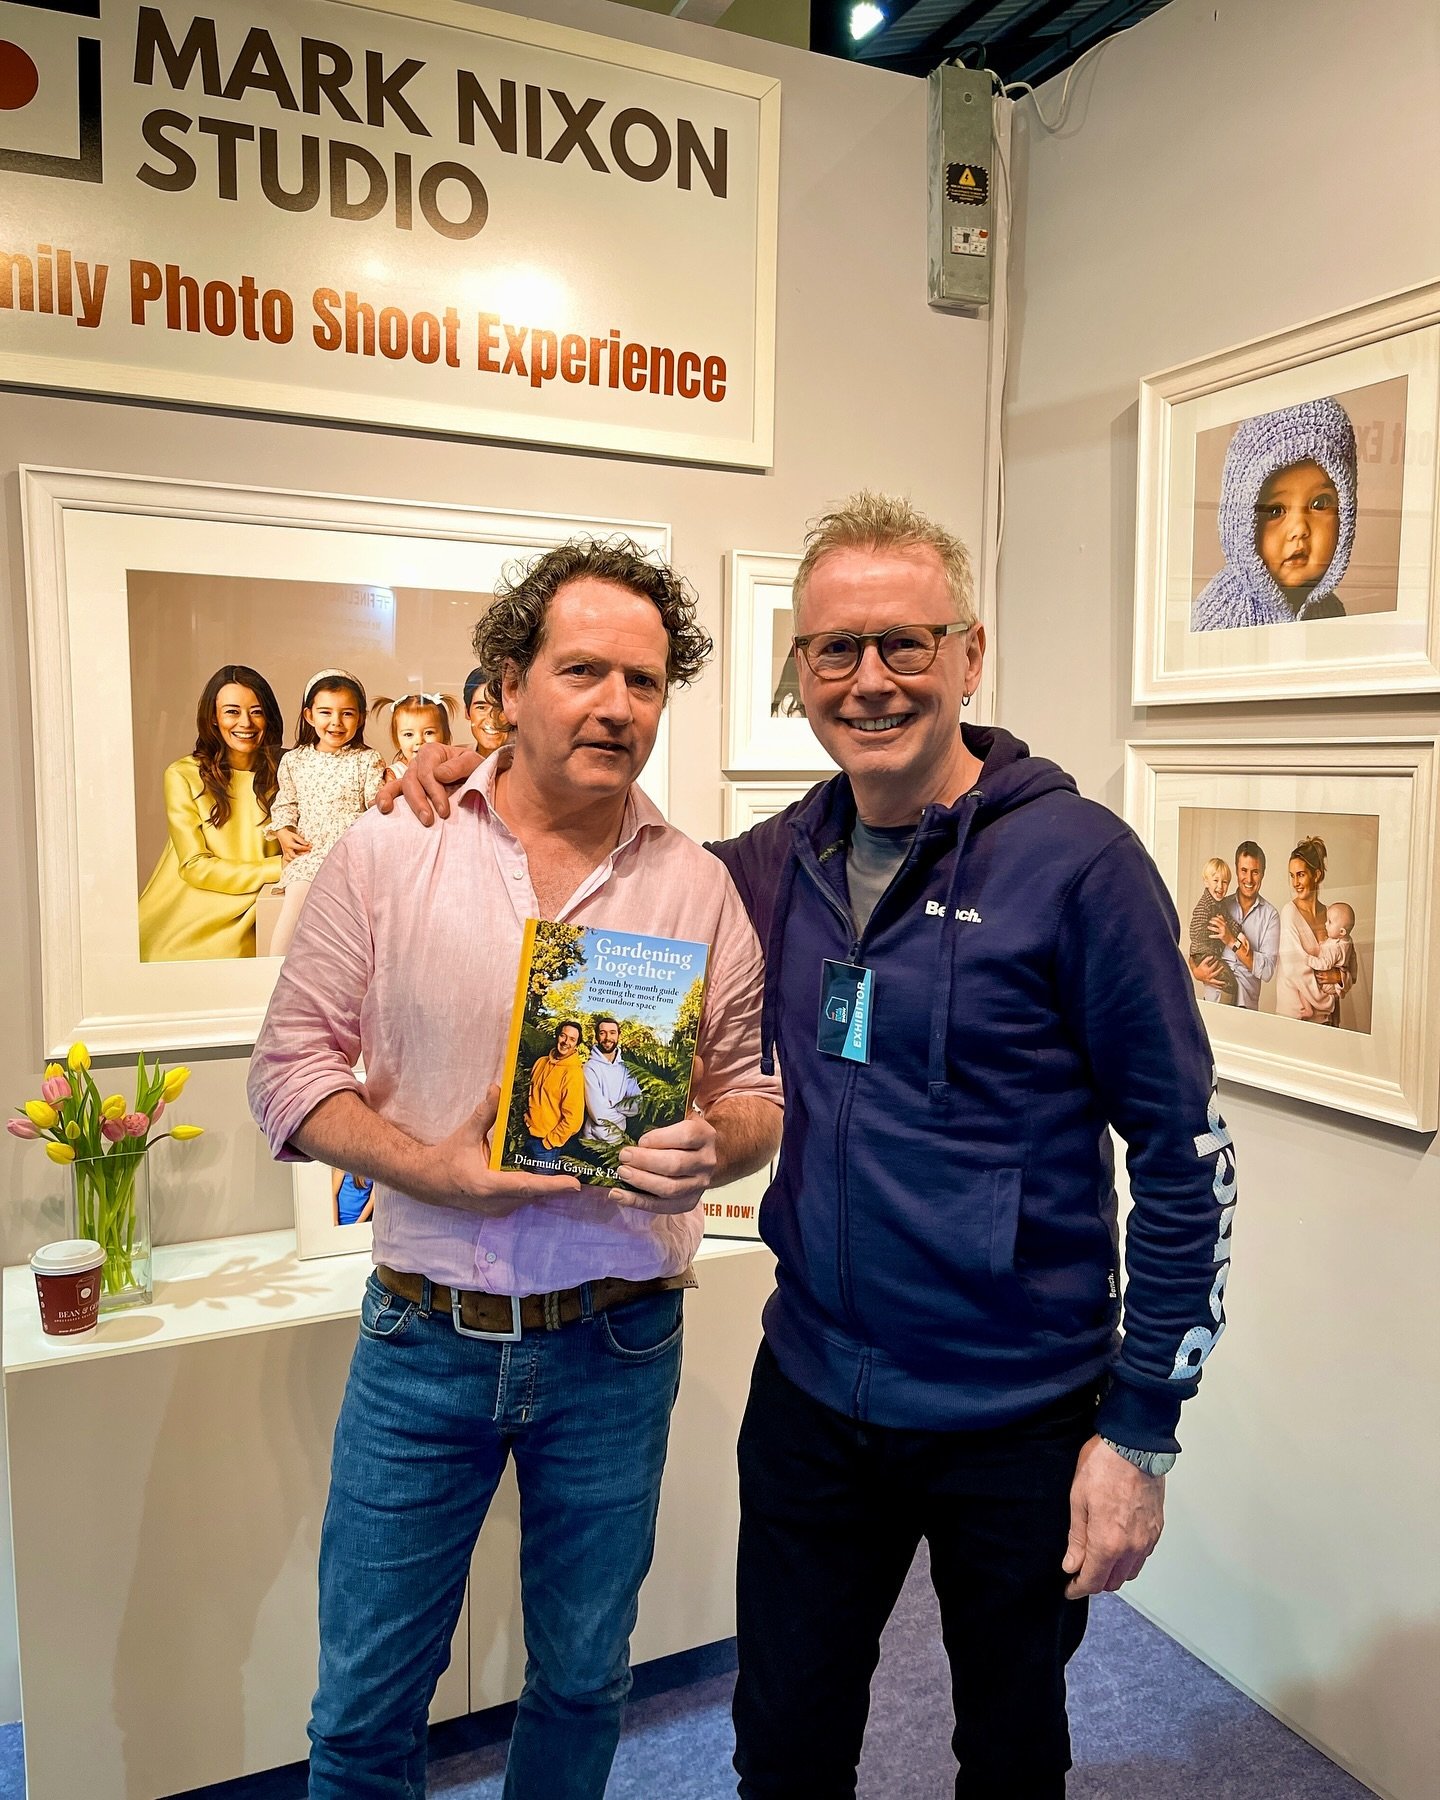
column 407, row 955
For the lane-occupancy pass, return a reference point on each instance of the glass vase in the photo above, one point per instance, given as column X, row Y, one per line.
column 112, row 1205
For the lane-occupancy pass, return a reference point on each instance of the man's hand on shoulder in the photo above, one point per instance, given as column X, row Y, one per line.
column 430, row 778
column 457, row 1171
column 1116, row 1517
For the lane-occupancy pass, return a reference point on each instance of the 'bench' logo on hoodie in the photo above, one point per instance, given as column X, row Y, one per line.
column 965, row 916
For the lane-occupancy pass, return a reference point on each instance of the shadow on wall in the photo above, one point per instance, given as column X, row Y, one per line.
column 1396, row 1744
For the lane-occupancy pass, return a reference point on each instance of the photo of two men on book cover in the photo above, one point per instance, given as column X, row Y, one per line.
column 602, row 1047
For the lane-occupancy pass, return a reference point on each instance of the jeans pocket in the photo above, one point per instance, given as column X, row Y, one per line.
column 645, row 1329
column 384, row 1315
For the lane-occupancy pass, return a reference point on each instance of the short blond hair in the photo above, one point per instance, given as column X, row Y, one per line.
column 1217, row 865
column 870, row 521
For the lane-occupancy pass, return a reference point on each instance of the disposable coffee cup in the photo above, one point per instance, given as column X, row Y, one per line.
column 67, row 1282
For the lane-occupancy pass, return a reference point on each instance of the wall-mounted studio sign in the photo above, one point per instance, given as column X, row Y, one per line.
column 410, row 212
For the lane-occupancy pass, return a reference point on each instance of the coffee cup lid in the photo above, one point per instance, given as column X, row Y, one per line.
column 70, row 1256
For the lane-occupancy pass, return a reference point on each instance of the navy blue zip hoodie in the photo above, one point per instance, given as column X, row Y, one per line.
column 945, row 1215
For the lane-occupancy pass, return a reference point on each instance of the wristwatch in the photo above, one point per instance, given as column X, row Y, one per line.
column 1148, row 1462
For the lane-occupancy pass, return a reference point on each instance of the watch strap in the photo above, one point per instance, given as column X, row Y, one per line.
column 1148, row 1462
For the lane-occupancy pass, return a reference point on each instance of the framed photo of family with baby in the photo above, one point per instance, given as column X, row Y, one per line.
column 222, row 677
column 1288, row 513
column 1304, row 875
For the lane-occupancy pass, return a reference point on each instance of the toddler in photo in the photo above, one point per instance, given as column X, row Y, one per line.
column 1338, row 949
column 1287, row 519
column 417, row 719
column 325, row 784
column 1202, row 944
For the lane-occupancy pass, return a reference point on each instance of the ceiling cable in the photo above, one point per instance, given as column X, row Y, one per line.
column 1007, row 88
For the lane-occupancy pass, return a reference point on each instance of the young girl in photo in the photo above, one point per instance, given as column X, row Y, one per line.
column 417, row 719
column 325, row 784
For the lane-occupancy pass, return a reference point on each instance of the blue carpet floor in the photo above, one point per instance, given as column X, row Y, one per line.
column 1148, row 1722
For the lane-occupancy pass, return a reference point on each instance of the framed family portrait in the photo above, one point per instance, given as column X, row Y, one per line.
column 332, row 1210
column 766, row 731
column 1286, row 520
column 1304, row 874
column 176, row 629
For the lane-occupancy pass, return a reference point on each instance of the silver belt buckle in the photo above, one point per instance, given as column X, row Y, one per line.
column 512, row 1336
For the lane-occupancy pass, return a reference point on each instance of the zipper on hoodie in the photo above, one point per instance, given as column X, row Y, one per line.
column 842, row 1113
column 843, row 1281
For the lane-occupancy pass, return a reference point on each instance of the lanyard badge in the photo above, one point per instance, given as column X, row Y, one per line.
column 847, row 993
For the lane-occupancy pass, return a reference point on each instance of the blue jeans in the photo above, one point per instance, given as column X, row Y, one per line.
column 427, row 1423
column 545, row 1157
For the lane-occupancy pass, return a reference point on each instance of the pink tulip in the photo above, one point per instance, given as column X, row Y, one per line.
column 56, row 1089
column 112, row 1130
column 136, row 1124
column 21, row 1128
column 156, row 1110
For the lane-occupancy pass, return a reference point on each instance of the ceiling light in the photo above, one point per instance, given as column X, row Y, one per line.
column 864, row 20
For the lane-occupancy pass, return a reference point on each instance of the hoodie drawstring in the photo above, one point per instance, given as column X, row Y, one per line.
column 770, row 998
column 941, row 1009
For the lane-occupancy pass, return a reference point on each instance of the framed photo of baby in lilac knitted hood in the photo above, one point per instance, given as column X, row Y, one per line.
column 1286, row 540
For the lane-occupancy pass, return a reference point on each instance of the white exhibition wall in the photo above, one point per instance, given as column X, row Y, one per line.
column 1228, row 170
column 873, row 388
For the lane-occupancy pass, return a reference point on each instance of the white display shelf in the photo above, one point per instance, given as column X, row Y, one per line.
column 174, row 1503
column 219, row 1287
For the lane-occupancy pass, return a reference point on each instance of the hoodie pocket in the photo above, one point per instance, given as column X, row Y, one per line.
column 936, row 1257
column 1005, row 1233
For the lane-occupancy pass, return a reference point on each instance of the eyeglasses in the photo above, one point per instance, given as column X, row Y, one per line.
column 904, row 649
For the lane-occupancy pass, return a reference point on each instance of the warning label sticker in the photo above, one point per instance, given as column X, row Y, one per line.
column 967, row 240
column 967, row 183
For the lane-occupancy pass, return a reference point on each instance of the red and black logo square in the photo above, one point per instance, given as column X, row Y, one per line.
column 50, row 104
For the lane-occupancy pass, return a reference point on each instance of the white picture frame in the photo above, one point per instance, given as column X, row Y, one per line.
column 1386, row 1065
column 1382, row 362
column 84, row 531
column 758, row 740
column 316, row 1231
column 747, row 803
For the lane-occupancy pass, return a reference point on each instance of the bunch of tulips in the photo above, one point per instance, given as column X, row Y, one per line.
column 104, row 1140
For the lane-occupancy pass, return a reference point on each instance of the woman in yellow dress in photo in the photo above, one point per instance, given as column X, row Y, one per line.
column 200, row 902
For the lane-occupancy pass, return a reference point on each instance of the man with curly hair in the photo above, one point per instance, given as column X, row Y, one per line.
column 508, row 1314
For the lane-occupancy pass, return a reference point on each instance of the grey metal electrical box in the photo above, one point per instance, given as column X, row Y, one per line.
column 962, row 201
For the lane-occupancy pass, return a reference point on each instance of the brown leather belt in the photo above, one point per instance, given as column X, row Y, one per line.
column 505, row 1316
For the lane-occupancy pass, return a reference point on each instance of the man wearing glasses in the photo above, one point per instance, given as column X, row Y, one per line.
column 971, row 974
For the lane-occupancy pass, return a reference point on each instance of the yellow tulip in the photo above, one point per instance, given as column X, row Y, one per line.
column 175, row 1084
column 60, row 1153
column 184, row 1133
column 72, row 1132
column 113, row 1107
column 79, row 1057
column 41, row 1114
column 52, row 1070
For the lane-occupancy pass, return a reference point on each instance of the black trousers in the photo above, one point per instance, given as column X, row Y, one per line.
column 831, row 1514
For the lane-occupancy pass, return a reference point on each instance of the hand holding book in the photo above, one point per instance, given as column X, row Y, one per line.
column 463, row 1176
column 669, row 1170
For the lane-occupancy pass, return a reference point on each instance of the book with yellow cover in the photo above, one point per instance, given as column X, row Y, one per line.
column 601, row 1050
